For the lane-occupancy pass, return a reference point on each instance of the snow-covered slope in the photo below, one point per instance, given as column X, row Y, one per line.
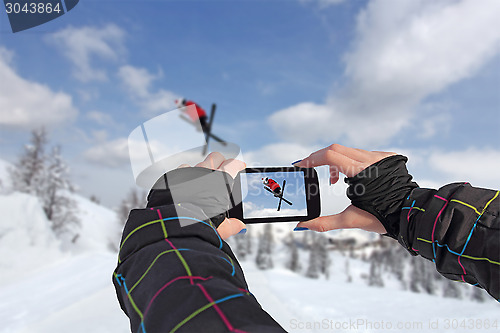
column 44, row 289
column 26, row 241
column 100, row 229
column 4, row 175
column 300, row 304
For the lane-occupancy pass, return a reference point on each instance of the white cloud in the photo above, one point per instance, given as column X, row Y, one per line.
column 479, row 166
column 112, row 153
column 27, row 104
column 84, row 45
column 100, row 118
column 100, row 135
column 137, row 81
column 404, row 52
column 433, row 167
column 278, row 154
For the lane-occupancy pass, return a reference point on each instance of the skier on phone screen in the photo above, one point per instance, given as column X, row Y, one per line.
column 272, row 184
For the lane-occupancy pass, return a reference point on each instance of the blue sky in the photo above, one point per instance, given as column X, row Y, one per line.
column 288, row 77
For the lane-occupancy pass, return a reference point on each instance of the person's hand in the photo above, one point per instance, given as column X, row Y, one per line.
column 350, row 162
column 216, row 161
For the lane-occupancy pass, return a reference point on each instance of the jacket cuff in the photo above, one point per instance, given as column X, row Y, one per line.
column 381, row 190
column 205, row 188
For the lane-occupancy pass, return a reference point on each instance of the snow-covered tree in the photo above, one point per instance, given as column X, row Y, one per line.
column 29, row 170
column 264, row 258
column 313, row 269
column 348, row 271
column 47, row 177
column 429, row 278
column 478, row 294
column 59, row 208
column 451, row 289
column 95, row 199
column 248, row 240
column 240, row 246
column 397, row 264
column 323, row 255
column 134, row 199
column 375, row 274
column 293, row 262
column 415, row 278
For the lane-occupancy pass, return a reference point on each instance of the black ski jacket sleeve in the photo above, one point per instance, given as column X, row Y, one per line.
column 175, row 274
column 457, row 227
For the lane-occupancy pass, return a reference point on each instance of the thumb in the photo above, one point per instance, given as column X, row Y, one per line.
column 351, row 217
column 230, row 227
column 326, row 223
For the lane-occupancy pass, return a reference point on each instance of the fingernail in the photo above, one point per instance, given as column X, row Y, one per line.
column 243, row 231
column 296, row 162
column 300, row 229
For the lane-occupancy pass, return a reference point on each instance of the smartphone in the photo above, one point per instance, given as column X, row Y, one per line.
column 275, row 194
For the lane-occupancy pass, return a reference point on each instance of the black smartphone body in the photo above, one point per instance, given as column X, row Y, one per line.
column 275, row 194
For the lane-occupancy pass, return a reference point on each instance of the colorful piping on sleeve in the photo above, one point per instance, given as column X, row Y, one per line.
column 193, row 280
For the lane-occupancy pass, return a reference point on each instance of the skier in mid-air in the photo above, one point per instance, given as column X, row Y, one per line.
column 272, row 184
column 195, row 114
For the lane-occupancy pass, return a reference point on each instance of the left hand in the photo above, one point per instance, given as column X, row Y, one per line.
column 216, row 161
column 349, row 161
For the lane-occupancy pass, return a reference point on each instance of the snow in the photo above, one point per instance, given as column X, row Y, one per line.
column 46, row 288
column 101, row 230
column 69, row 294
column 4, row 174
column 334, row 305
column 26, row 242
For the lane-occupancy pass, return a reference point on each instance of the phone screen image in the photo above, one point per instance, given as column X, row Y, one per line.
column 272, row 194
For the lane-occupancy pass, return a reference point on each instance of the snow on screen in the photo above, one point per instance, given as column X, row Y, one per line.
column 259, row 202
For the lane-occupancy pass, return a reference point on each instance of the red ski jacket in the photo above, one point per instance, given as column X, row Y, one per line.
column 195, row 115
column 275, row 187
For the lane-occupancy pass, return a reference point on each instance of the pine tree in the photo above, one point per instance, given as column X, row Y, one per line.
column 293, row 262
column 133, row 200
column 451, row 289
column 313, row 269
column 264, row 258
column 397, row 264
column 429, row 277
column 95, row 199
column 248, row 241
column 348, row 271
column 323, row 255
column 375, row 274
column 240, row 246
column 306, row 239
column 415, row 276
column 59, row 208
column 46, row 176
column 29, row 169
column 478, row 294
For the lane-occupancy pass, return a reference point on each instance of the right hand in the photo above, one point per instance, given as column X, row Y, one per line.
column 216, row 161
column 350, row 162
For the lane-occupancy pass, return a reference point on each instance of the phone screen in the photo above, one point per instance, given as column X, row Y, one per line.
column 272, row 194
